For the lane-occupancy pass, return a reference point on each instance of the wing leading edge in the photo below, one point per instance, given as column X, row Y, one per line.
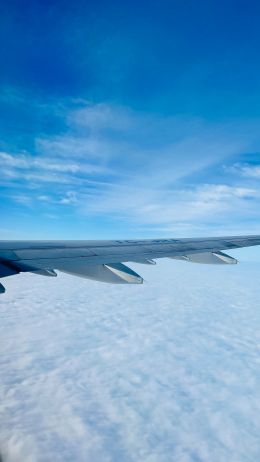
column 104, row 260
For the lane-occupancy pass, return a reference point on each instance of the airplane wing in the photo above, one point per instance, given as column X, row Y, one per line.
column 104, row 260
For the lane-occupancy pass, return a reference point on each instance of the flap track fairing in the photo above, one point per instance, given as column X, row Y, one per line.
column 208, row 258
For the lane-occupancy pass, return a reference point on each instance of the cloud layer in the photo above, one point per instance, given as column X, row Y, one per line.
column 163, row 372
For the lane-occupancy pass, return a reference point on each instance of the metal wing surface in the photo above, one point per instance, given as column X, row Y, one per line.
column 104, row 260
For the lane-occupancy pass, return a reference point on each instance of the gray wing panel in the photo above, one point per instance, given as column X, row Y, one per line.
column 59, row 254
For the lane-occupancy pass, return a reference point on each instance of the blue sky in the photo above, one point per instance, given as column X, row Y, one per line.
column 126, row 119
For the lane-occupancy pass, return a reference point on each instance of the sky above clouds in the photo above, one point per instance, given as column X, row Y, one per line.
column 129, row 120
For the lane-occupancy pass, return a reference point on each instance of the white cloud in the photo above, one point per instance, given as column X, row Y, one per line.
column 7, row 160
column 250, row 171
column 142, row 169
column 104, row 116
column 23, row 199
column 70, row 198
column 167, row 371
column 16, row 164
column 169, row 206
column 81, row 148
column 216, row 192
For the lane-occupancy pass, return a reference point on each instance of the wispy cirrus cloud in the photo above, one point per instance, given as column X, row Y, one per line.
column 19, row 163
column 112, row 161
column 165, row 206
